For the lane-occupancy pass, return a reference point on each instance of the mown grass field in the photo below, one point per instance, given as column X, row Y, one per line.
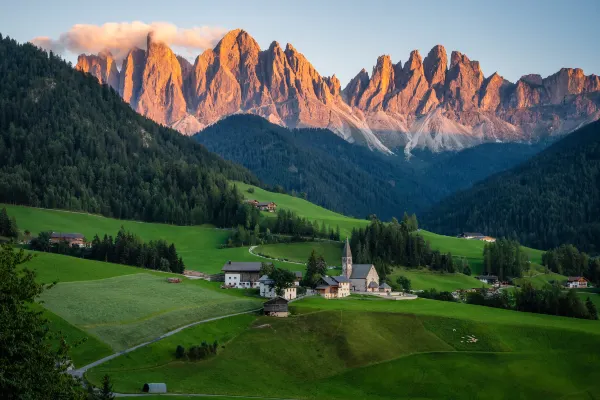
column 126, row 310
column 353, row 349
column 299, row 252
column 304, row 208
column 422, row 279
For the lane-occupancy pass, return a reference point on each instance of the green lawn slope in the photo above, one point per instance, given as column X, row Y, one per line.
column 353, row 349
column 423, row 279
column 299, row 252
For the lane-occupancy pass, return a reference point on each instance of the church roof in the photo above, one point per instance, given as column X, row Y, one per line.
column 360, row 271
column 347, row 253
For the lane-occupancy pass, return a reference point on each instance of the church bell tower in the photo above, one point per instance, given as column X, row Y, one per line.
column 347, row 260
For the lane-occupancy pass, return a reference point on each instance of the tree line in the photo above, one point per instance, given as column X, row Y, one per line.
column 568, row 260
column 125, row 248
column 505, row 259
column 263, row 230
column 550, row 299
column 398, row 243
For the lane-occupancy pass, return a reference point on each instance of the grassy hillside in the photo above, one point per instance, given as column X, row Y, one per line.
column 299, row 252
column 304, row 209
column 425, row 279
column 197, row 245
column 375, row 349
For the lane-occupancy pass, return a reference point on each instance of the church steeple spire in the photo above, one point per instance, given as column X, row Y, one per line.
column 347, row 260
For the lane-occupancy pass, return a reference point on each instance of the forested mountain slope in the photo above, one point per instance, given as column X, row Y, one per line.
column 351, row 179
column 68, row 142
column 553, row 198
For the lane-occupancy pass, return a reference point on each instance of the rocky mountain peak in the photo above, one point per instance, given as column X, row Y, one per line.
column 102, row 66
column 463, row 81
column 435, row 67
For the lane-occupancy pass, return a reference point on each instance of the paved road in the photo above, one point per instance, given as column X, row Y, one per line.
column 80, row 371
column 251, row 251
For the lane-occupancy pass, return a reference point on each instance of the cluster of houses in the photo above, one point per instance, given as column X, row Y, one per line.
column 72, row 239
column 267, row 206
column 477, row 236
column 572, row 282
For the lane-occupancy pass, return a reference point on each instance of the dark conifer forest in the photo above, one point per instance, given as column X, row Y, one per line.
column 67, row 142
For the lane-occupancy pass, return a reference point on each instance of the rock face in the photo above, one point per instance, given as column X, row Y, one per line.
column 424, row 103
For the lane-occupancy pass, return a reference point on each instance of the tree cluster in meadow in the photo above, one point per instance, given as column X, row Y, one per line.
column 568, row 260
column 67, row 142
column 550, row 299
column 198, row 352
column 125, row 248
column 316, row 267
column 8, row 225
column 505, row 259
column 398, row 243
column 287, row 227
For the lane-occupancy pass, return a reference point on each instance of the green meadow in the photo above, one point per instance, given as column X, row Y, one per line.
column 343, row 349
column 299, row 252
column 303, row 208
column 423, row 279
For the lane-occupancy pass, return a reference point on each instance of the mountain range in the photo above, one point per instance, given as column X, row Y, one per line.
column 422, row 103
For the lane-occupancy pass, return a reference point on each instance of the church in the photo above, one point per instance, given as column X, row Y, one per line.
column 363, row 277
column 354, row 278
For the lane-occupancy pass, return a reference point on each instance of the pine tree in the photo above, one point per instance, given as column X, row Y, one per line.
column 106, row 390
column 591, row 307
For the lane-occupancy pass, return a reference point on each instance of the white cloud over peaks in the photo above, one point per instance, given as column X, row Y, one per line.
column 120, row 37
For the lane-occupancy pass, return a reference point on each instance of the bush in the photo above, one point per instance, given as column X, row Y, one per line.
column 250, row 190
column 404, row 282
column 180, row 352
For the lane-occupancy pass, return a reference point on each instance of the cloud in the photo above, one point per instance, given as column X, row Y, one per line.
column 120, row 37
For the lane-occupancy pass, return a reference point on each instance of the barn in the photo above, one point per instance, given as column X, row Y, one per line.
column 277, row 307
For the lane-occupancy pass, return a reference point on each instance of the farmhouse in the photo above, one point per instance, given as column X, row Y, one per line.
column 267, row 289
column 268, row 206
column 73, row 239
column 277, row 307
column 489, row 279
column 363, row 277
column 242, row 274
column 333, row 287
column 477, row 236
column 576, row 282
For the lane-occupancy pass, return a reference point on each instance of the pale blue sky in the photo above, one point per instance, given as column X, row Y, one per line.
column 511, row 37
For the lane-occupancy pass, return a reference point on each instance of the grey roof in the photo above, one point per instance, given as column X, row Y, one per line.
column 265, row 279
column 330, row 281
column 276, row 300
column 341, row 279
column 360, row 271
column 347, row 253
column 473, row 234
column 384, row 286
column 65, row 235
column 264, row 203
column 157, row 387
column 298, row 274
column 235, row 266
column 373, row 285
column 574, row 278
column 487, row 277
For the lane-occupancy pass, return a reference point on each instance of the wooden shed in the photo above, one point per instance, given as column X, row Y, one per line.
column 277, row 307
column 154, row 388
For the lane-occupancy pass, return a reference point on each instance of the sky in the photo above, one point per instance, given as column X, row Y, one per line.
column 513, row 38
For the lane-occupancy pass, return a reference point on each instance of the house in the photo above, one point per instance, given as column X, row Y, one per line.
column 174, row 280
column 385, row 288
column 154, row 388
column 267, row 289
column 489, row 279
column 242, row 274
column 472, row 235
column 276, row 307
column 73, row 239
column 333, row 287
column 488, row 239
column 268, row 206
column 298, row 278
column 576, row 282
column 363, row 277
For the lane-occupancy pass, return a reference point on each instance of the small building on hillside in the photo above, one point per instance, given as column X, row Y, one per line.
column 477, row 236
column 242, row 275
column 488, row 239
column 333, row 287
column 173, row 280
column 268, row 206
column 154, row 388
column 276, row 307
column 267, row 289
column 73, row 239
column 489, row 279
column 576, row 282
column 298, row 278
column 385, row 288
